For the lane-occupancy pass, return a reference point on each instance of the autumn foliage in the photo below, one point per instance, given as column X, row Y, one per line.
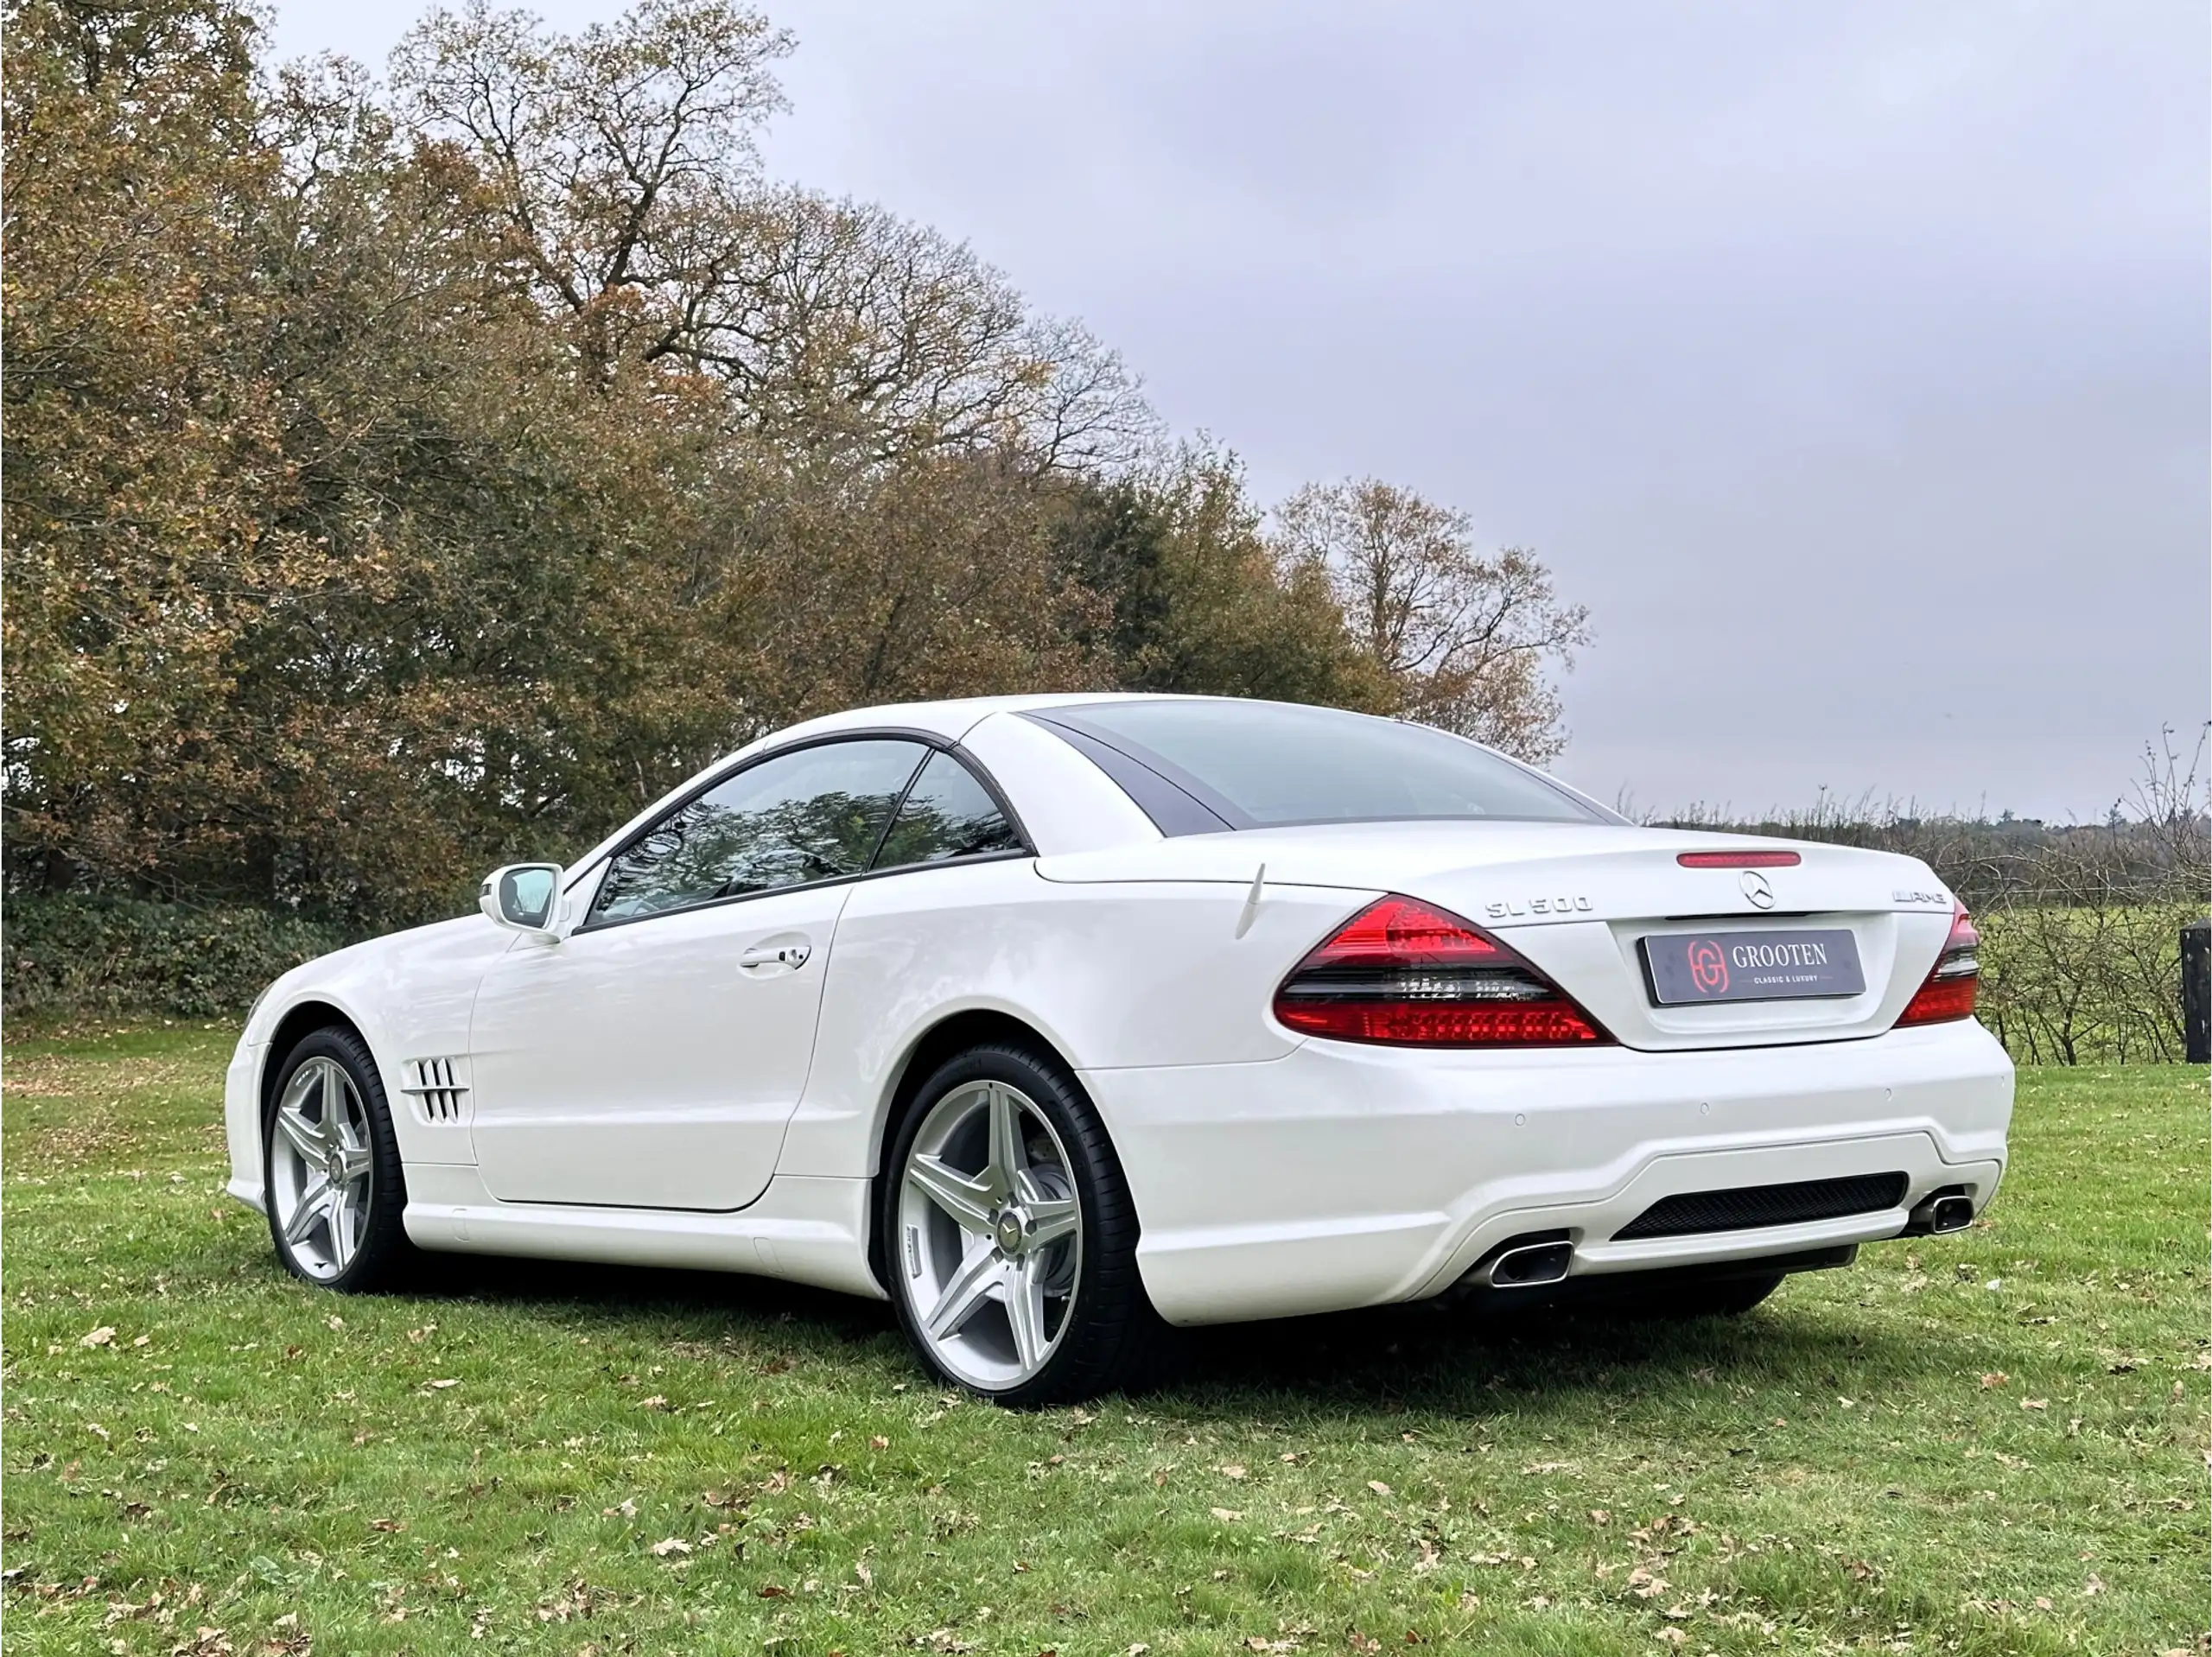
column 403, row 474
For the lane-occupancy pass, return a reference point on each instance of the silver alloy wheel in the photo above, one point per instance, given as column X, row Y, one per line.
column 321, row 1174
column 990, row 1236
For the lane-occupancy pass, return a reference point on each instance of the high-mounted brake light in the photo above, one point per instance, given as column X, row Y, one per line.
column 1408, row 973
column 1738, row 860
column 1952, row 981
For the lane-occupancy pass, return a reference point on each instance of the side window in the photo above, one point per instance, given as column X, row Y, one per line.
column 815, row 815
column 947, row 814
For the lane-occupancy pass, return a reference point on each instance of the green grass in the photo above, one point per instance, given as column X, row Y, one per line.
column 1987, row 1443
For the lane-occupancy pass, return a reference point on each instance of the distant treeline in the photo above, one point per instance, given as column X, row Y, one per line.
column 2080, row 923
column 406, row 473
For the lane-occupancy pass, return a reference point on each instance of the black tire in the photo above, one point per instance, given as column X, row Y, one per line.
column 384, row 1253
column 1730, row 1297
column 1111, row 1339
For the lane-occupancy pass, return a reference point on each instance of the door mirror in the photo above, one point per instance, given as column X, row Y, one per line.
column 522, row 895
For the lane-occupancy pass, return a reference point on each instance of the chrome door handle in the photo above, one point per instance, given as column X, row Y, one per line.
column 787, row 955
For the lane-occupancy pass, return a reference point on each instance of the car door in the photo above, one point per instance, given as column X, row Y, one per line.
column 652, row 1057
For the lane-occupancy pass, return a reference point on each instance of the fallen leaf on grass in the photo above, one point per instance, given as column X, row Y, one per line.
column 101, row 1336
column 2034, row 1403
column 626, row 1508
column 440, row 1385
column 770, row 1590
column 879, row 1442
column 1233, row 1470
column 1997, row 1378
column 388, row 1524
column 1227, row 1515
column 669, row 1545
column 1378, row 1486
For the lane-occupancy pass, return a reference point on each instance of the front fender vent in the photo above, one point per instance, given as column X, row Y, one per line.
column 1747, row 1208
column 439, row 1088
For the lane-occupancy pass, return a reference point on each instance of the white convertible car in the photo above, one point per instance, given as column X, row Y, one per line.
column 1055, row 1018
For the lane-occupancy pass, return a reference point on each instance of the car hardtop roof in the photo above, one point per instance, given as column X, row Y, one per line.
column 954, row 718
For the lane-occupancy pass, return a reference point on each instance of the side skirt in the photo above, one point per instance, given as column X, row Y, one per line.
column 803, row 1229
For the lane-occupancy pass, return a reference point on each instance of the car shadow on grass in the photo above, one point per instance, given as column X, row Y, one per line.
column 1442, row 1360
column 1428, row 1358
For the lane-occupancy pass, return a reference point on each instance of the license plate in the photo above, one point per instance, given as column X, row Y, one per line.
column 1687, row 967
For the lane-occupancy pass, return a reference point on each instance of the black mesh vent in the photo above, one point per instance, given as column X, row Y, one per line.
column 1749, row 1207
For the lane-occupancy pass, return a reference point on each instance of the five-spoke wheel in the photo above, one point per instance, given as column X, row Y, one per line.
column 1009, row 1234
column 322, row 1176
column 334, row 1186
column 992, row 1233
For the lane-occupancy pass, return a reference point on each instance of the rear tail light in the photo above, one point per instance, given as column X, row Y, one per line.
column 1411, row 975
column 1952, row 983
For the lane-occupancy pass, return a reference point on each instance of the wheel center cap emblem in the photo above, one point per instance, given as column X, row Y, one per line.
column 1009, row 1230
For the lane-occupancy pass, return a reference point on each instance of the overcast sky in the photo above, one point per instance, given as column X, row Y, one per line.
column 1849, row 362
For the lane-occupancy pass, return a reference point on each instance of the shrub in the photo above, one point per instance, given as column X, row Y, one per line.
column 77, row 954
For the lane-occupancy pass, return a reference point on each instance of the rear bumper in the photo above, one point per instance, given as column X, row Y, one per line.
column 1343, row 1176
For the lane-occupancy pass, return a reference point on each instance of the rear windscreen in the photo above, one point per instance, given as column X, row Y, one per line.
column 1266, row 764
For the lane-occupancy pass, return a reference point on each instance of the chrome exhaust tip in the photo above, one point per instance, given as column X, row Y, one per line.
column 1950, row 1213
column 1939, row 1212
column 1527, row 1265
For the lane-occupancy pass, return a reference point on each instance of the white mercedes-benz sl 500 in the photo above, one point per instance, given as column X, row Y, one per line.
column 1058, row 1019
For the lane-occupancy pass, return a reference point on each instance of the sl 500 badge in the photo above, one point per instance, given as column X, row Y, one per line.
column 1500, row 912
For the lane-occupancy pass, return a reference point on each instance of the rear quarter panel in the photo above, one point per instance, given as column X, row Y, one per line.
column 1114, row 977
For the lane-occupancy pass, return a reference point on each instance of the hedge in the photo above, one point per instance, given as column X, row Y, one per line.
column 76, row 953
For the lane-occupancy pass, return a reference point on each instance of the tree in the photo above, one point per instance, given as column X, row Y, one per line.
column 932, row 578
column 328, row 573
column 394, row 485
column 1197, row 601
column 621, row 167
column 142, row 451
column 616, row 159
column 1466, row 638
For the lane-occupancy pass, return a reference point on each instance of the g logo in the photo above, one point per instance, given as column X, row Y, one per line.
column 1759, row 894
column 1708, row 966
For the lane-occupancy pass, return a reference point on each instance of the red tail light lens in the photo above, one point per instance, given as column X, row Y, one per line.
column 1738, row 860
column 1954, row 980
column 1411, row 975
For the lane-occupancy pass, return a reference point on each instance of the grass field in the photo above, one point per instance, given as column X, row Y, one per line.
column 1993, row 1443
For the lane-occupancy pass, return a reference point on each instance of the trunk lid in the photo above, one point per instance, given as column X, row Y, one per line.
column 1578, row 901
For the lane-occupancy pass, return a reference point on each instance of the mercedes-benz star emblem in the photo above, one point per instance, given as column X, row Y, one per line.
column 1756, row 890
